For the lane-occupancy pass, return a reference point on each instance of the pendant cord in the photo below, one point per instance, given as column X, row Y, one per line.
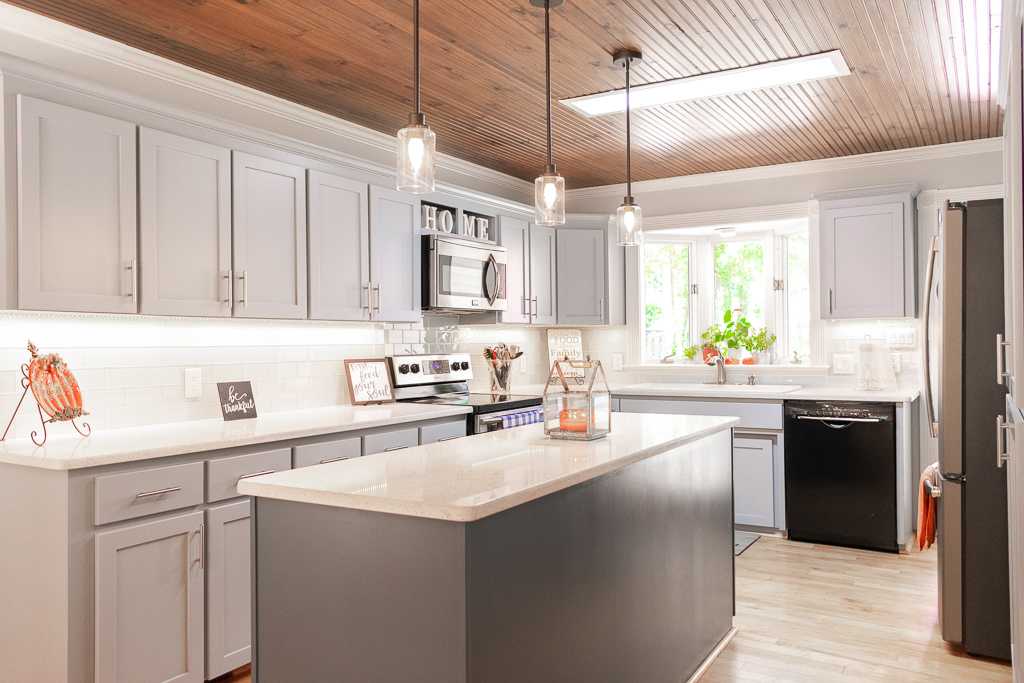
column 547, row 75
column 416, row 53
column 629, row 170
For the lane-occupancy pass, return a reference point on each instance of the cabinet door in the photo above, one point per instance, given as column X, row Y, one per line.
column 339, row 248
column 754, row 481
column 395, row 255
column 228, row 588
column 582, row 265
column 269, row 238
column 149, row 601
column 514, row 235
column 862, row 261
column 543, row 281
column 77, row 225
column 184, row 225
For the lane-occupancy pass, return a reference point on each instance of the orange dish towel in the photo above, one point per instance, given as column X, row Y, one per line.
column 926, row 507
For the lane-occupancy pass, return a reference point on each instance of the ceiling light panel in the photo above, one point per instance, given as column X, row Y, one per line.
column 757, row 77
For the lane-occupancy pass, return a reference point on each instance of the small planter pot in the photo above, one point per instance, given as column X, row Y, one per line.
column 750, row 360
column 709, row 352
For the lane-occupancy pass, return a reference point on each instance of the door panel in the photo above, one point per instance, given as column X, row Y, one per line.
column 339, row 248
column 269, row 238
column 395, row 255
column 582, row 288
column 228, row 588
column 514, row 235
column 77, row 224
column 543, row 280
column 754, row 481
column 149, row 601
column 185, row 225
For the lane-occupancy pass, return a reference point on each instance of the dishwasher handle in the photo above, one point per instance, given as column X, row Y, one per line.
column 848, row 420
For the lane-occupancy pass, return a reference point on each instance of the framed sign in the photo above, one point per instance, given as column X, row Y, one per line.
column 236, row 400
column 368, row 381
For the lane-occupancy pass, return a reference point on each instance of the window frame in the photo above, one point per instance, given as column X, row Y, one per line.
column 693, row 315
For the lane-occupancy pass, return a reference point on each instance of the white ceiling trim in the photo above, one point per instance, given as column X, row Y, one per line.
column 798, row 168
column 21, row 22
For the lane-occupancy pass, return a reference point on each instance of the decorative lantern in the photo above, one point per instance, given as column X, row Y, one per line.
column 577, row 403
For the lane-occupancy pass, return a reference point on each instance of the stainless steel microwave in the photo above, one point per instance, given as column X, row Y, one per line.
column 462, row 275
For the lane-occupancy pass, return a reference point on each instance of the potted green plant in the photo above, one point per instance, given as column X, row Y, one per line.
column 735, row 330
column 711, row 342
column 759, row 343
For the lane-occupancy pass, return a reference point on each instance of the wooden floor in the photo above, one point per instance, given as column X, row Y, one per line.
column 819, row 613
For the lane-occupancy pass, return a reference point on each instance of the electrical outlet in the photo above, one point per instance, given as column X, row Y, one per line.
column 842, row 364
column 897, row 363
column 617, row 362
column 193, row 383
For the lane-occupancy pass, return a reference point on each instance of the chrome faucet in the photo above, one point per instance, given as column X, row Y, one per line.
column 719, row 364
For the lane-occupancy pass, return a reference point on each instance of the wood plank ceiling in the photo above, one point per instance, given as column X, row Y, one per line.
column 923, row 72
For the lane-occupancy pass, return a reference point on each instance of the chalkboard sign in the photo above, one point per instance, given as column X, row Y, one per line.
column 368, row 381
column 236, row 400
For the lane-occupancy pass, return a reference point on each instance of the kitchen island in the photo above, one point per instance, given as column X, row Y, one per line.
column 500, row 557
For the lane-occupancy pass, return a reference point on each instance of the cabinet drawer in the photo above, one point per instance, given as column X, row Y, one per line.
column 445, row 431
column 147, row 492
column 222, row 475
column 391, row 441
column 752, row 415
column 328, row 451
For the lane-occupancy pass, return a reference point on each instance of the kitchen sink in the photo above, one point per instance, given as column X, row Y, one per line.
column 712, row 389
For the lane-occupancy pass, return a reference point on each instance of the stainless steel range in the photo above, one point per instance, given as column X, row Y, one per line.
column 444, row 379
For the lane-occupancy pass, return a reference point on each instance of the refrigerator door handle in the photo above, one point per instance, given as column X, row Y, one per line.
column 1002, row 427
column 929, row 401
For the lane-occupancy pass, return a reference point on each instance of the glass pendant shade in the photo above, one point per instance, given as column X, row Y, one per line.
column 549, row 199
column 416, row 159
column 629, row 220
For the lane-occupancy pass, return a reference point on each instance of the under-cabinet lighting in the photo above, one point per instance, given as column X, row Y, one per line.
column 767, row 75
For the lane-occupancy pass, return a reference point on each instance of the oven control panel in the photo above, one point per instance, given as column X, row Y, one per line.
column 430, row 369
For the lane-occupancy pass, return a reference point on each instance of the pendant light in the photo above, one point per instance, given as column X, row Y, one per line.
column 549, row 188
column 416, row 141
column 629, row 218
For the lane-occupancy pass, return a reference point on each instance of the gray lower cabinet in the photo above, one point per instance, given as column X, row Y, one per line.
column 327, row 451
column 394, row 440
column 228, row 588
column 149, row 601
column 754, row 481
column 443, row 431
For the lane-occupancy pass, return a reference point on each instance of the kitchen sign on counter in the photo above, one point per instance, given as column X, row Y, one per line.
column 236, row 400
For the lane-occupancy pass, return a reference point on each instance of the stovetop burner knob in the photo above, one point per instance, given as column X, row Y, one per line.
column 415, row 368
column 404, row 368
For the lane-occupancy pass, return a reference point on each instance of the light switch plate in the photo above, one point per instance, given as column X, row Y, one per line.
column 842, row 364
column 193, row 383
column 617, row 361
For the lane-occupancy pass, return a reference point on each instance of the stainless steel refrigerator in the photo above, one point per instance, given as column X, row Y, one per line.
column 963, row 326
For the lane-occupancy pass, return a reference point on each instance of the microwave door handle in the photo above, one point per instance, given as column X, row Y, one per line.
column 929, row 401
column 491, row 268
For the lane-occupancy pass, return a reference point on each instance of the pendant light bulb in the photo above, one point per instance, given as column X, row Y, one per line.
column 549, row 188
column 416, row 142
column 629, row 218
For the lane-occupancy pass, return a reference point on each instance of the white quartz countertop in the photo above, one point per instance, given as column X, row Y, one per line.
column 766, row 392
column 468, row 479
column 66, row 452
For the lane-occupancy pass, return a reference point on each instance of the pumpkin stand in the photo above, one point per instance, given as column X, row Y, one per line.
column 55, row 390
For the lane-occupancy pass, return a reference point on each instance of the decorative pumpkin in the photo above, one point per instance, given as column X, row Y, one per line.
column 54, row 386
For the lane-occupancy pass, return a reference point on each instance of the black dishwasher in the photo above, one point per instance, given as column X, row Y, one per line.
column 841, row 473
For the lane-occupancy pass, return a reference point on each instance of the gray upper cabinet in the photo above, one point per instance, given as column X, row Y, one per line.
column 77, row 224
column 514, row 235
column 339, row 248
column 543, row 280
column 184, row 226
column 395, row 256
column 269, row 238
column 582, row 277
column 867, row 257
column 150, row 601
column 228, row 588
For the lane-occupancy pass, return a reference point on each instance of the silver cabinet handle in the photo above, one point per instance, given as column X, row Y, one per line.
column 256, row 474
column 344, row 457
column 229, row 277
column 244, row 277
column 133, row 280
column 929, row 401
column 449, row 438
column 365, row 289
column 201, row 557
column 533, row 307
column 158, row 492
column 395, row 448
column 1002, row 426
column 522, row 305
column 830, row 301
column 1001, row 374
column 376, row 288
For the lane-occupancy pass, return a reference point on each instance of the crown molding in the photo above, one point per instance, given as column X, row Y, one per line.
column 54, row 34
column 749, row 214
column 797, row 168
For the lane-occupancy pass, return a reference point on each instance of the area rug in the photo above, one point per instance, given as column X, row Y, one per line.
column 743, row 540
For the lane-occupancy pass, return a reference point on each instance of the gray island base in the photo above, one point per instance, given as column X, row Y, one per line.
column 625, row 576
